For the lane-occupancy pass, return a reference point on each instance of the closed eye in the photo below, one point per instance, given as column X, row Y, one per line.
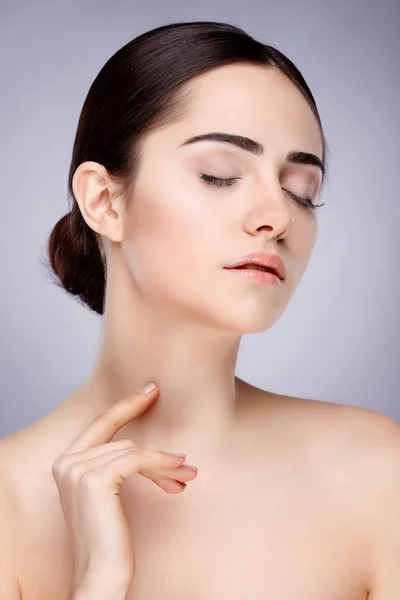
column 221, row 182
column 307, row 202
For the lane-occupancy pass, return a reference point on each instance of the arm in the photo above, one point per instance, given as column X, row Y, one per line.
column 382, row 499
column 99, row 589
column 9, row 587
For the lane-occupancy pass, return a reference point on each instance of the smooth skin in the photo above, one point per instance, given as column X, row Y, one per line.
column 308, row 488
column 294, row 499
column 89, row 475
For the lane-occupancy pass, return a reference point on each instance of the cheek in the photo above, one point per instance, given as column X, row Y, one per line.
column 301, row 245
column 166, row 235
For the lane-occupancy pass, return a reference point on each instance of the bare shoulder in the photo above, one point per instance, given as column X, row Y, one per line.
column 365, row 441
column 359, row 430
column 357, row 446
column 370, row 455
column 356, row 453
column 9, row 587
column 28, row 499
column 26, row 459
column 30, row 452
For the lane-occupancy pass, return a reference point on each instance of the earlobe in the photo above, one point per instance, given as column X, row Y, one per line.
column 93, row 191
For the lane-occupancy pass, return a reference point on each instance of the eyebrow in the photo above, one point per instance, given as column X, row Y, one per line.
column 296, row 157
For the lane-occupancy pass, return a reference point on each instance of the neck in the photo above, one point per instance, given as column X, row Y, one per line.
column 193, row 364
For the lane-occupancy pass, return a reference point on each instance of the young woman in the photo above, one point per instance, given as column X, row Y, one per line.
column 198, row 149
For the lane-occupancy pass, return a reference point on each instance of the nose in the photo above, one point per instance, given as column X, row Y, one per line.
column 272, row 214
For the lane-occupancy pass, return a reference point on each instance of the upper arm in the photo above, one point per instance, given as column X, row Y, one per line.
column 379, row 501
column 9, row 586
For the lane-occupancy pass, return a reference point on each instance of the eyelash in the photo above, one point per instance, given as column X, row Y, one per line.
column 219, row 182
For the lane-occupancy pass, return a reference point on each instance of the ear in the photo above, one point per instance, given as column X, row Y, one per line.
column 94, row 192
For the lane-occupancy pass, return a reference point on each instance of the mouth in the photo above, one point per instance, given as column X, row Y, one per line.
column 257, row 273
column 253, row 267
column 261, row 261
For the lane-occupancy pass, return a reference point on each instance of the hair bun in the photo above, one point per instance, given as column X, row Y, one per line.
column 76, row 260
column 142, row 87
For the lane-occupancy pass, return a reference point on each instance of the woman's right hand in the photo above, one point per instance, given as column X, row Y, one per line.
column 89, row 475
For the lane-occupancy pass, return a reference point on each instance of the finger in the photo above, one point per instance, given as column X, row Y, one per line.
column 182, row 473
column 171, row 478
column 112, row 474
column 98, row 451
column 172, row 486
column 75, row 470
column 107, row 424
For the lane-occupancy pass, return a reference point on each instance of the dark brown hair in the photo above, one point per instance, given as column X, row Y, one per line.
column 140, row 88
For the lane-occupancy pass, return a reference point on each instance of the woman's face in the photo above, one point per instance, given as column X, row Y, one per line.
column 180, row 231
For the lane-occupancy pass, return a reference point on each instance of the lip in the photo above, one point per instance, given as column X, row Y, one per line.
column 263, row 259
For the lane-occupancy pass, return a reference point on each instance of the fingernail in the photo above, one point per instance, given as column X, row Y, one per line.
column 192, row 467
column 148, row 388
column 180, row 455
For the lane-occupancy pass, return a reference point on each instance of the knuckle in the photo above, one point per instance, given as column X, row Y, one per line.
column 167, row 456
column 134, row 455
column 90, row 480
column 126, row 444
column 73, row 473
column 134, row 452
column 58, row 466
column 55, row 467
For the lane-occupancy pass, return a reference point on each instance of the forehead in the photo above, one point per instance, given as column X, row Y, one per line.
column 255, row 101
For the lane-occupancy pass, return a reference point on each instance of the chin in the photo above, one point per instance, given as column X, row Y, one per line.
column 250, row 322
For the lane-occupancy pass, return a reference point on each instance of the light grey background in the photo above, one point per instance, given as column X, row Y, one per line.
column 339, row 339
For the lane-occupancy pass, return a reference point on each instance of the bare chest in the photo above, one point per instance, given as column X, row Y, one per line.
column 246, row 544
column 241, row 535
